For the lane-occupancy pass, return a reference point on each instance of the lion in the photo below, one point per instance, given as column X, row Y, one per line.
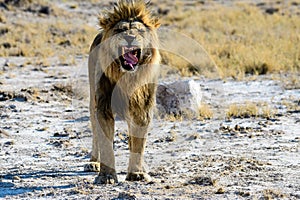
column 123, row 71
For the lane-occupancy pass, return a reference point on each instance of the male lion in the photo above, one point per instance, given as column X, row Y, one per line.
column 123, row 69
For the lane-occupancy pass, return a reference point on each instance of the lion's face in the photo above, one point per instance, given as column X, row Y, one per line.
column 130, row 44
column 129, row 30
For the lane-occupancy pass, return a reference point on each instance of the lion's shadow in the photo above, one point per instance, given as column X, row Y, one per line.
column 9, row 188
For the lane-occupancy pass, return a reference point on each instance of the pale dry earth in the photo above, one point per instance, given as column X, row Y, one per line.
column 49, row 141
column 45, row 138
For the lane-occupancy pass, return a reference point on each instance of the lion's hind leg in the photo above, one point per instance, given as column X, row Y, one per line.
column 94, row 165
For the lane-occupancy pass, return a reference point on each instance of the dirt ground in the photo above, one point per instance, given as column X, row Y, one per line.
column 45, row 138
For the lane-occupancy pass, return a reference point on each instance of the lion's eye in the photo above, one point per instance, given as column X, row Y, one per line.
column 120, row 30
column 142, row 30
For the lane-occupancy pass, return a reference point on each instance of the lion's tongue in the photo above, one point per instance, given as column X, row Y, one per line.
column 131, row 59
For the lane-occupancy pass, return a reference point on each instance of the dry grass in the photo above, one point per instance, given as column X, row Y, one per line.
column 173, row 118
column 292, row 105
column 50, row 32
column 2, row 18
column 270, row 194
column 250, row 109
column 291, row 82
column 205, row 112
column 242, row 111
column 267, row 112
column 45, row 40
column 241, row 39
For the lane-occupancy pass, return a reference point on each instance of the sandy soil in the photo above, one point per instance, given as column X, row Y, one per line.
column 45, row 140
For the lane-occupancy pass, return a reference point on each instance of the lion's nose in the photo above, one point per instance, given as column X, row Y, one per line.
column 129, row 38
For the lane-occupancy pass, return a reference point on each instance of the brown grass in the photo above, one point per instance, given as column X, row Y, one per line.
column 242, row 111
column 2, row 18
column 205, row 112
column 46, row 40
column 292, row 105
column 242, row 39
column 270, row 194
column 173, row 118
column 239, row 40
column 251, row 109
column 45, row 35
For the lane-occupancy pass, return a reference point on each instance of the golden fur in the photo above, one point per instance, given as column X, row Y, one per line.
column 123, row 69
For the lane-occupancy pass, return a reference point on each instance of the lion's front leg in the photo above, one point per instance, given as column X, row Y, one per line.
column 137, row 143
column 105, row 131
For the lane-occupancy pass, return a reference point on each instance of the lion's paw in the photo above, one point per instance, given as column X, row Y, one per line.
column 103, row 178
column 92, row 167
column 138, row 176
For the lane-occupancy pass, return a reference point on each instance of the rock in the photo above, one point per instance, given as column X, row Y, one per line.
column 57, row 134
column 47, row 10
column 2, row 132
column 16, row 96
column 179, row 98
column 92, row 167
column 9, row 143
column 3, row 31
column 220, row 191
column 16, row 178
column 126, row 195
column 194, row 137
column 4, row 96
column 203, row 181
column 271, row 11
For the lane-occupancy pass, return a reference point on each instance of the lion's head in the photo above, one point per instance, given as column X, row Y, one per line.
column 131, row 31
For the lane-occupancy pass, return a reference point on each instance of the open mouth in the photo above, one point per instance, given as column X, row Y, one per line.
column 130, row 56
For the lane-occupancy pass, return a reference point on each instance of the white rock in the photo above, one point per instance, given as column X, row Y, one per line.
column 179, row 98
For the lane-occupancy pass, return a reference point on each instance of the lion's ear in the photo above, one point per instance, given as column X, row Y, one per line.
column 156, row 23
